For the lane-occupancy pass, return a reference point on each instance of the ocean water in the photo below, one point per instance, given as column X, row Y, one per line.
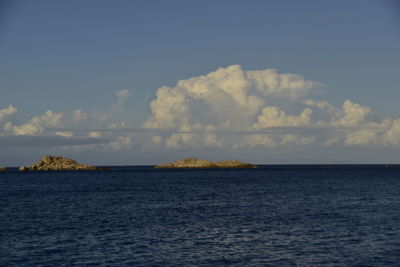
column 140, row 216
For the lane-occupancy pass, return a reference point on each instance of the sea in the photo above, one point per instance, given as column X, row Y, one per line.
column 274, row 215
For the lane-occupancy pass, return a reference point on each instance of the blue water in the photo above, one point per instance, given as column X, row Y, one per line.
column 139, row 216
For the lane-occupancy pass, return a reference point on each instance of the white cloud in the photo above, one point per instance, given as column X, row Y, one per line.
column 275, row 117
column 226, row 98
column 37, row 124
column 229, row 100
column 392, row 135
column 6, row 112
column 353, row 114
column 227, row 109
column 68, row 130
column 95, row 134
column 64, row 133
column 285, row 85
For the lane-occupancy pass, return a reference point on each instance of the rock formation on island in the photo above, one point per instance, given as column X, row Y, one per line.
column 23, row 168
column 200, row 163
column 51, row 163
column 2, row 169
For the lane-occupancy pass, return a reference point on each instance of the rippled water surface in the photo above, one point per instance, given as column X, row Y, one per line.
column 270, row 216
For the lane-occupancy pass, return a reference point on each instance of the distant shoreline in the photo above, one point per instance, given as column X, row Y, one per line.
column 260, row 166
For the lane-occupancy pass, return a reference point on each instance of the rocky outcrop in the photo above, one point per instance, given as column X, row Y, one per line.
column 200, row 163
column 2, row 169
column 234, row 164
column 51, row 163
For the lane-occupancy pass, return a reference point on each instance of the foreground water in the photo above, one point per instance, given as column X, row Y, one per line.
column 270, row 216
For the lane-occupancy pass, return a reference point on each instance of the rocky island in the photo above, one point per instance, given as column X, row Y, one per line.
column 2, row 169
column 200, row 163
column 52, row 163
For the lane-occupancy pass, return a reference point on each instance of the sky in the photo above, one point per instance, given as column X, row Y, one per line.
column 145, row 82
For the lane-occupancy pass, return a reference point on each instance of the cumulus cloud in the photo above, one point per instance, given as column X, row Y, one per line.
column 279, row 85
column 210, row 110
column 275, row 117
column 36, row 125
column 227, row 109
column 228, row 97
column 392, row 135
column 353, row 114
column 7, row 112
column 64, row 129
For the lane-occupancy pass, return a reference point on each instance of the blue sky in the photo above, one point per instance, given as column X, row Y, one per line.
column 75, row 55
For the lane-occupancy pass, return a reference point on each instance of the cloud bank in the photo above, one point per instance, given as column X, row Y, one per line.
column 228, row 109
column 232, row 99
